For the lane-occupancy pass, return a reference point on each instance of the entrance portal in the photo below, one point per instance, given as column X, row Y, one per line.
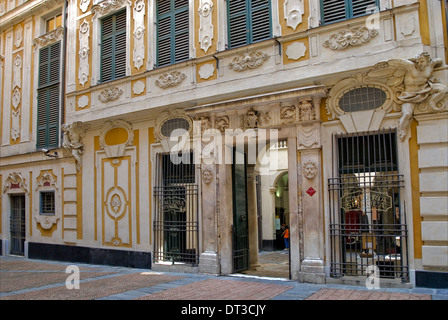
column 261, row 209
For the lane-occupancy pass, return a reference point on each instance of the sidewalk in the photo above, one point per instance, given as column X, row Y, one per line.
column 25, row 279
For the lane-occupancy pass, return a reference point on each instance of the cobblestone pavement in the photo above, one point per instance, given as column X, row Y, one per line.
column 26, row 279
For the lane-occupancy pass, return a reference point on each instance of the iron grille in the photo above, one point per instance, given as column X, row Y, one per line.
column 176, row 226
column 367, row 219
column 17, row 225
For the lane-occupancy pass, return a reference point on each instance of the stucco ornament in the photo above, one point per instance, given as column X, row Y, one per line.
column 206, row 24
column 310, row 169
column 420, row 88
column 207, row 176
column 354, row 37
column 170, row 79
column 72, row 142
column 294, row 10
column 110, row 94
column 248, row 60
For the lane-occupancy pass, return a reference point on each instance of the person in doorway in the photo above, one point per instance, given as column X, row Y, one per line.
column 285, row 235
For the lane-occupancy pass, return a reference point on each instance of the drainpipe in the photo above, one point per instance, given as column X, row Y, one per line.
column 63, row 81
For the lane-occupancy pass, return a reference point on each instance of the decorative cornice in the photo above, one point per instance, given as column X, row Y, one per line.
column 48, row 38
column 354, row 37
column 107, row 6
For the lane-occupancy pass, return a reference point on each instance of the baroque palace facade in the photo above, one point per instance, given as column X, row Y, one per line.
column 180, row 135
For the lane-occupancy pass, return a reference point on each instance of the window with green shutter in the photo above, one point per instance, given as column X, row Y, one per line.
column 249, row 21
column 172, row 32
column 48, row 97
column 339, row 10
column 113, row 46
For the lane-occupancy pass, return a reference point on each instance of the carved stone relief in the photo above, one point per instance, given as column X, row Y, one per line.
column 15, row 181
column 16, row 97
column 18, row 36
column 46, row 179
column 170, row 79
column 222, row 123
column 310, row 169
column 248, row 60
column 110, row 94
column 288, row 114
column 72, row 142
column 254, row 119
column 48, row 38
column 139, row 33
column 206, row 24
column 84, row 33
column 307, row 111
column 354, row 37
column 294, row 10
column 107, row 6
column 207, row 176
column 84, row 5
column 417, row 90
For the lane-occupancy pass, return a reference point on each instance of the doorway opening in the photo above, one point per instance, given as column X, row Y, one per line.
column 262, row 196
column 17, row 225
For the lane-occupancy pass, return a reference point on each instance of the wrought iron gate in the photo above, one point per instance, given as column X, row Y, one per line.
column 367, row 217
column 240, row 233
column 176, row 227
column 17, row 224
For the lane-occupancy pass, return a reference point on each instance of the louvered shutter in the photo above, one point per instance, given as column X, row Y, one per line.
column 172, row 32
column 339, row 10
column 113, row 47
column 260, row 26
column 333, row 10
column 48, row 97
column 249, row 21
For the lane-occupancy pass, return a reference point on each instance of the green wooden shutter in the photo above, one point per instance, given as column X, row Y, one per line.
column 249, row 21
column 260, row 20
column 113, row 47
column 339, row 10
column 48, row 97
column 172, row 32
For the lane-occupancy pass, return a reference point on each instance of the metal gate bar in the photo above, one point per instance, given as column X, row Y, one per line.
column 17, row 225
column 367, row 220
column 176, row 226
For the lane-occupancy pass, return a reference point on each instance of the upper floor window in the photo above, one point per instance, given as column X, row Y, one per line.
column 113, row 46
column 53, row 22
column 249, row 21
column 172, row 32
column 48, row 96
column 339, row 10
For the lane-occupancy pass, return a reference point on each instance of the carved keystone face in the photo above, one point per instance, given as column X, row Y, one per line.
column 310, row 169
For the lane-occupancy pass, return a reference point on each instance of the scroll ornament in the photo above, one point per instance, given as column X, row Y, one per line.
column 354, row 37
